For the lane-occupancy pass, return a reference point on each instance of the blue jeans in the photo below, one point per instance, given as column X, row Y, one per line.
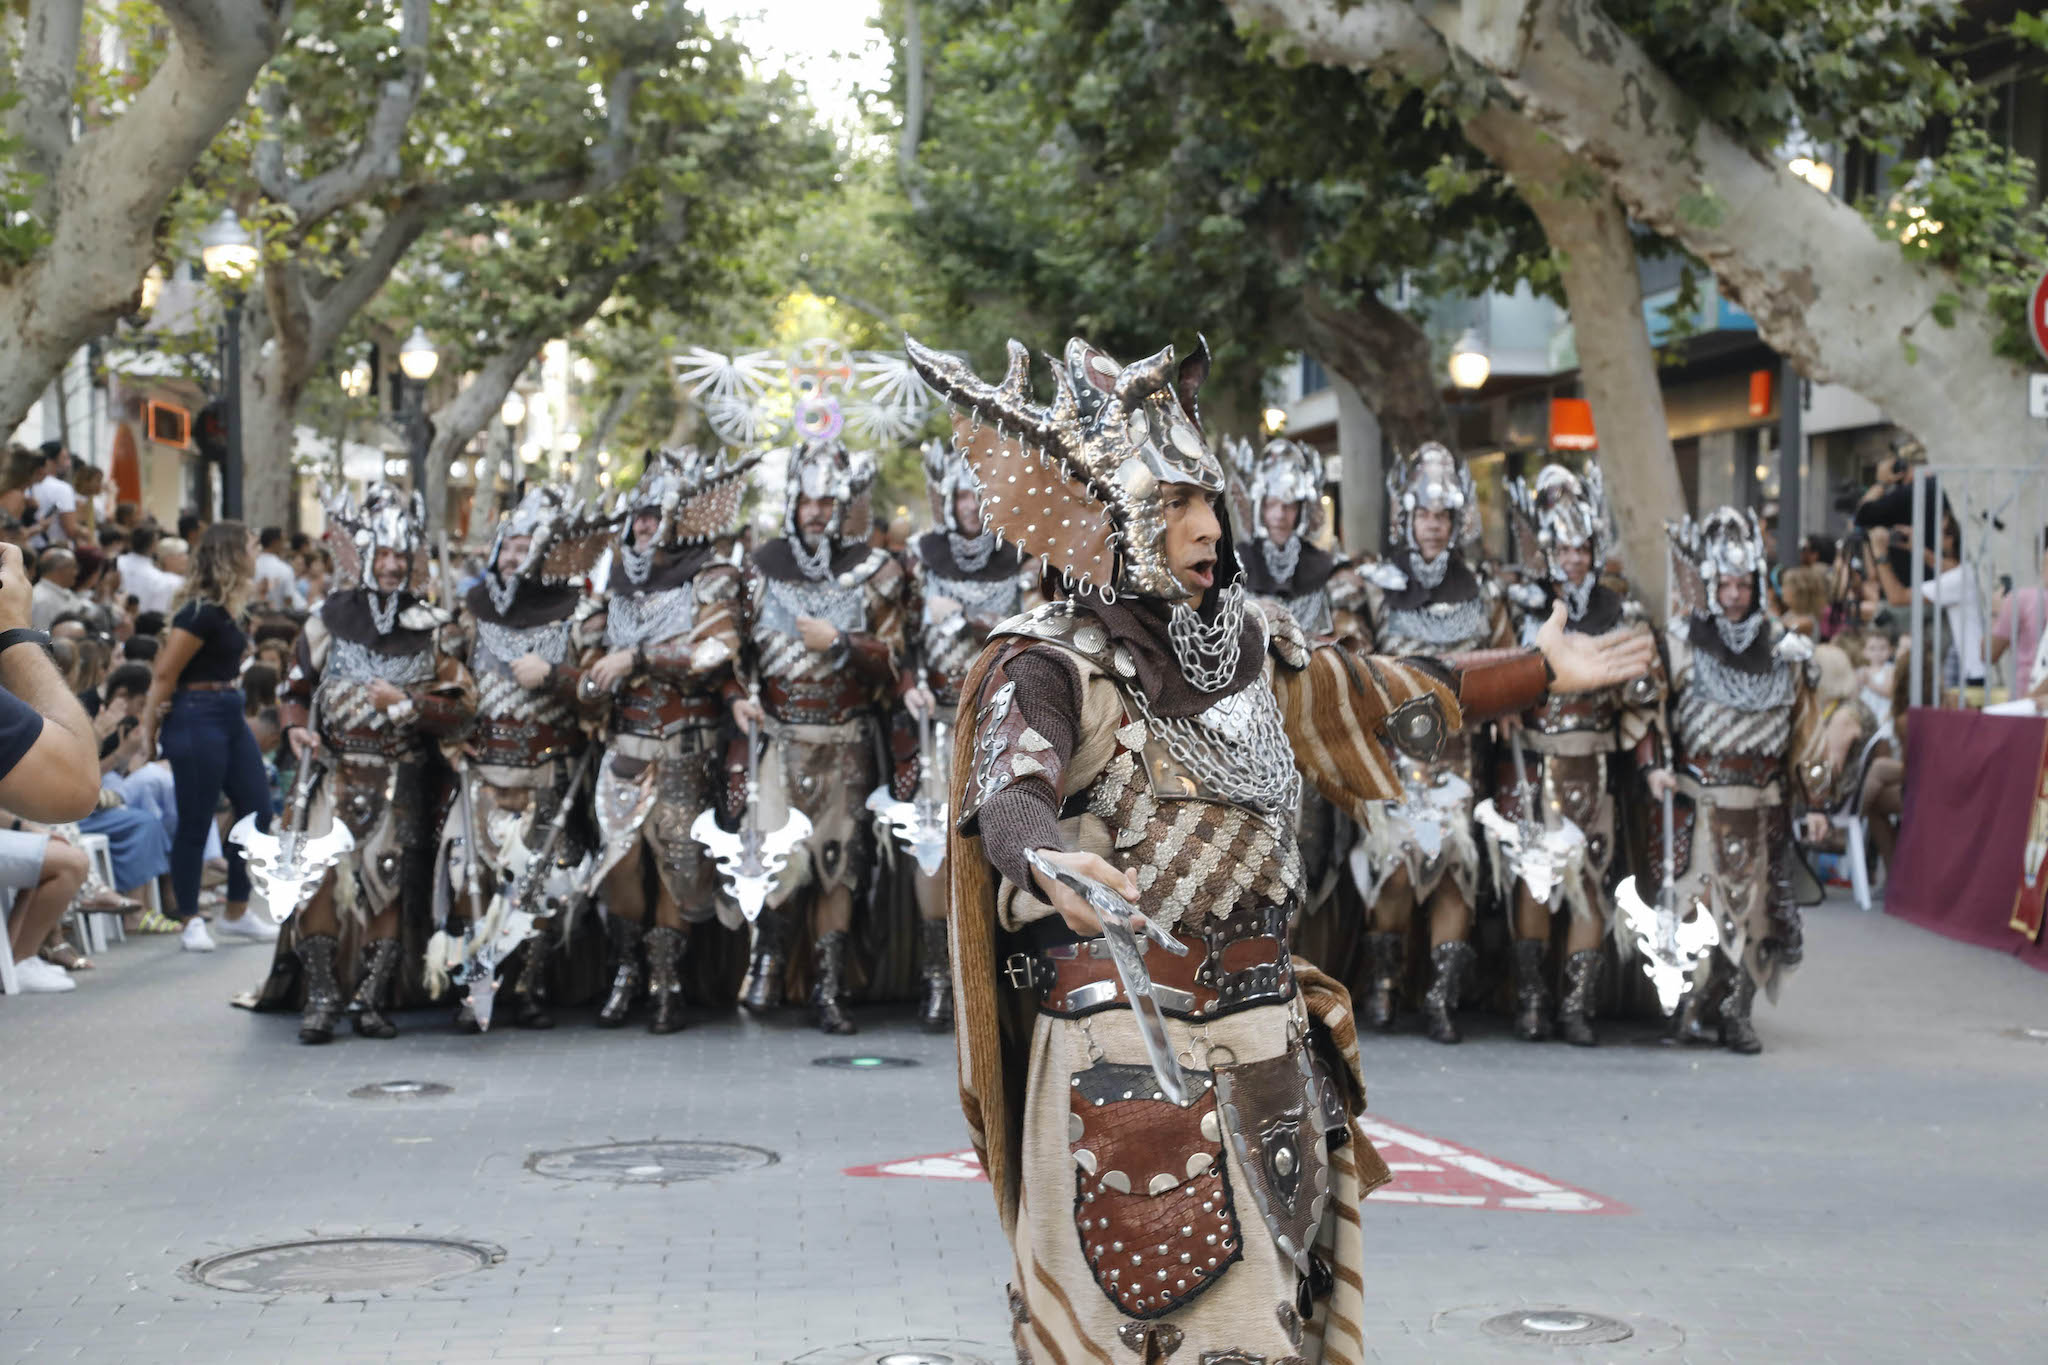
column 211, row 751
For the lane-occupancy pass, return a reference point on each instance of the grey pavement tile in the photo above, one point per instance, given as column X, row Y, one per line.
column 1857, row 1193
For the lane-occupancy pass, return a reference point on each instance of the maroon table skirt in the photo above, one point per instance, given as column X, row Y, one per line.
column 1971, row 785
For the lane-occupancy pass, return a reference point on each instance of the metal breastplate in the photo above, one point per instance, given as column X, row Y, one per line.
column 1437, row 628
column 348, row 718
column 1236, row 752
column 510, row 719
column 1707, row 726
column 1312, row 612
column 635, row 619
column 842, row 605
column 991, row 599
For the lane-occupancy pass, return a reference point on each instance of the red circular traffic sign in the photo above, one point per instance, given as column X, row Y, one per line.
column 2037, row 315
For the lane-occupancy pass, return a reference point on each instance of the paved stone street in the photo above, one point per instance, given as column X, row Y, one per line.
column 1874, row 1188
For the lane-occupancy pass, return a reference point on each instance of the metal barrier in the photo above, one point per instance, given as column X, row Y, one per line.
column 2000, row 512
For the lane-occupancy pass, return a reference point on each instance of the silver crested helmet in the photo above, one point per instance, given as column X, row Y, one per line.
column 387, row 518
column 827, row 469
column 1079, row 483
column 1725, row 543
column 696, row 495
column 1566, row 510
column 1435, row 479
column 946, row 475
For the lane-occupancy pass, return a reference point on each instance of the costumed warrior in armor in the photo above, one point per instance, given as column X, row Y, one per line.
column 1743, row 709
column 672, row 630
column 525, row 623
column 962, row 583
column 1277, row 503
column 1428, row 599
column 827, row 616
column 1565, row 746
column 373, row 690
column 1142, row 739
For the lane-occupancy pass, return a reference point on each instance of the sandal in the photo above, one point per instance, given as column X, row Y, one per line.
column 156, row 922
column 100, row 901
column 64, row 955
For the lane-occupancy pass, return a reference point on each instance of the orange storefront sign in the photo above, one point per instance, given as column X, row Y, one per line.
column 1571, row 425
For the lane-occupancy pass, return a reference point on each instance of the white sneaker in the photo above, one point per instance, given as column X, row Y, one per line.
column 40, row 977
column 195, row 939
column 253, row 925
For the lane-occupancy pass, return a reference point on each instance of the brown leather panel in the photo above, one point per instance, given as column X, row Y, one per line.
column 1501, row 687
column 1145, row 1169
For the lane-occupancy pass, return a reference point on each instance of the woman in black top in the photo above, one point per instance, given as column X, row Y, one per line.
column 195, row 703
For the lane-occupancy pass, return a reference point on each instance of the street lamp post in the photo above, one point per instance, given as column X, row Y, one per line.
column 230, row 256
column 417, row 360
column 1470, row 365
column 511, row 413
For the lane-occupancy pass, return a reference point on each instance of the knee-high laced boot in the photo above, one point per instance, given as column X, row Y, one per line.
column 664, row 977
column 936, row 1014
column 1389, row 953
column 1575, row 1011
column 1699, row 1008
column 530, row 996
column 626, row 935
column 1449, row 962
column 1737, row 1033
column 771, row 957
column 1532, row 997
column 323, row 991
column 380, row 964
column 830, row 984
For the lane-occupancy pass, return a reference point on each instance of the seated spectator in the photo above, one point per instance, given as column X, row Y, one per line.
column 1805, row 593
column 72, row 625
column 1884, row 785
column 135, row 564
column 140, row 648
column 113, row 541
column 127, row 515
column 42, row 874
column 275, row 586
column 124, row 768
column 56, row 572
column 259, row 688
column 270, row 744
column 173, row 557
column 314, row 576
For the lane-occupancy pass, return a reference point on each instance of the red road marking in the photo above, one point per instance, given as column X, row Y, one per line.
column 1426, row 1170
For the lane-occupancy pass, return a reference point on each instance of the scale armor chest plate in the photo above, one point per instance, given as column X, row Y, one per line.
column 1312, row 611
column 642, row 618
column 779, row 645
column 1437, row 629
column 515, row 727
column 349, row 721
column 1724, row 712
column 948, row 657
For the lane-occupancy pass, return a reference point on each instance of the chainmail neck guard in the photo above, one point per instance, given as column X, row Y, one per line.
column 1577, row 598
column 1208, row 654
column 970, row 553
column 383, row 608
column 636, row 562
column 1429, row 573
column 1739, row 635
column 1281, row 560
column 814, row 564
column 502, row 590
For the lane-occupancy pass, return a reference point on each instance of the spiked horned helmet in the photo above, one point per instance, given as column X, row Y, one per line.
column 1435, row 479
column 388, row 518
column 539, row 515
column 1726, row 542
column 1079, row 483
column 696, row 492
column 1288, row 470
column 946, row 474
column 1563, row 510
column 824, row 468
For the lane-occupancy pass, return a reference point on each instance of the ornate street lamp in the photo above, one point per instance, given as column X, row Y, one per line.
column 229, row 254
column 418, row 358
column 1470, row 365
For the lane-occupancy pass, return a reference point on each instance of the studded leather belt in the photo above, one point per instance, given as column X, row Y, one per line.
column 1736, row 770
column 1220, row 975
column 814, row 703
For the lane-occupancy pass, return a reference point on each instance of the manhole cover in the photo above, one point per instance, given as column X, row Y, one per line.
column 343, row 1265
column 650, row 1163
column 401, row 1090
column 1557, row 1327
column 863, row 1063
column 921, row 1351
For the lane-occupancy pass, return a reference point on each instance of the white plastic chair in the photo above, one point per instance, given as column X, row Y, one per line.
column 9, row 983
column 100, row 924
column 1855, row 826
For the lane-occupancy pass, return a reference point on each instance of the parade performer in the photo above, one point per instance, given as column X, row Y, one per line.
column 962, row 583
column 1277, row 505
column 828, row 633
column 1565, row 746
column 522, row 627
column 372, row 689
column 1743, row 710
column 672, row 630
column 1142, row 738
column 1428, row 599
